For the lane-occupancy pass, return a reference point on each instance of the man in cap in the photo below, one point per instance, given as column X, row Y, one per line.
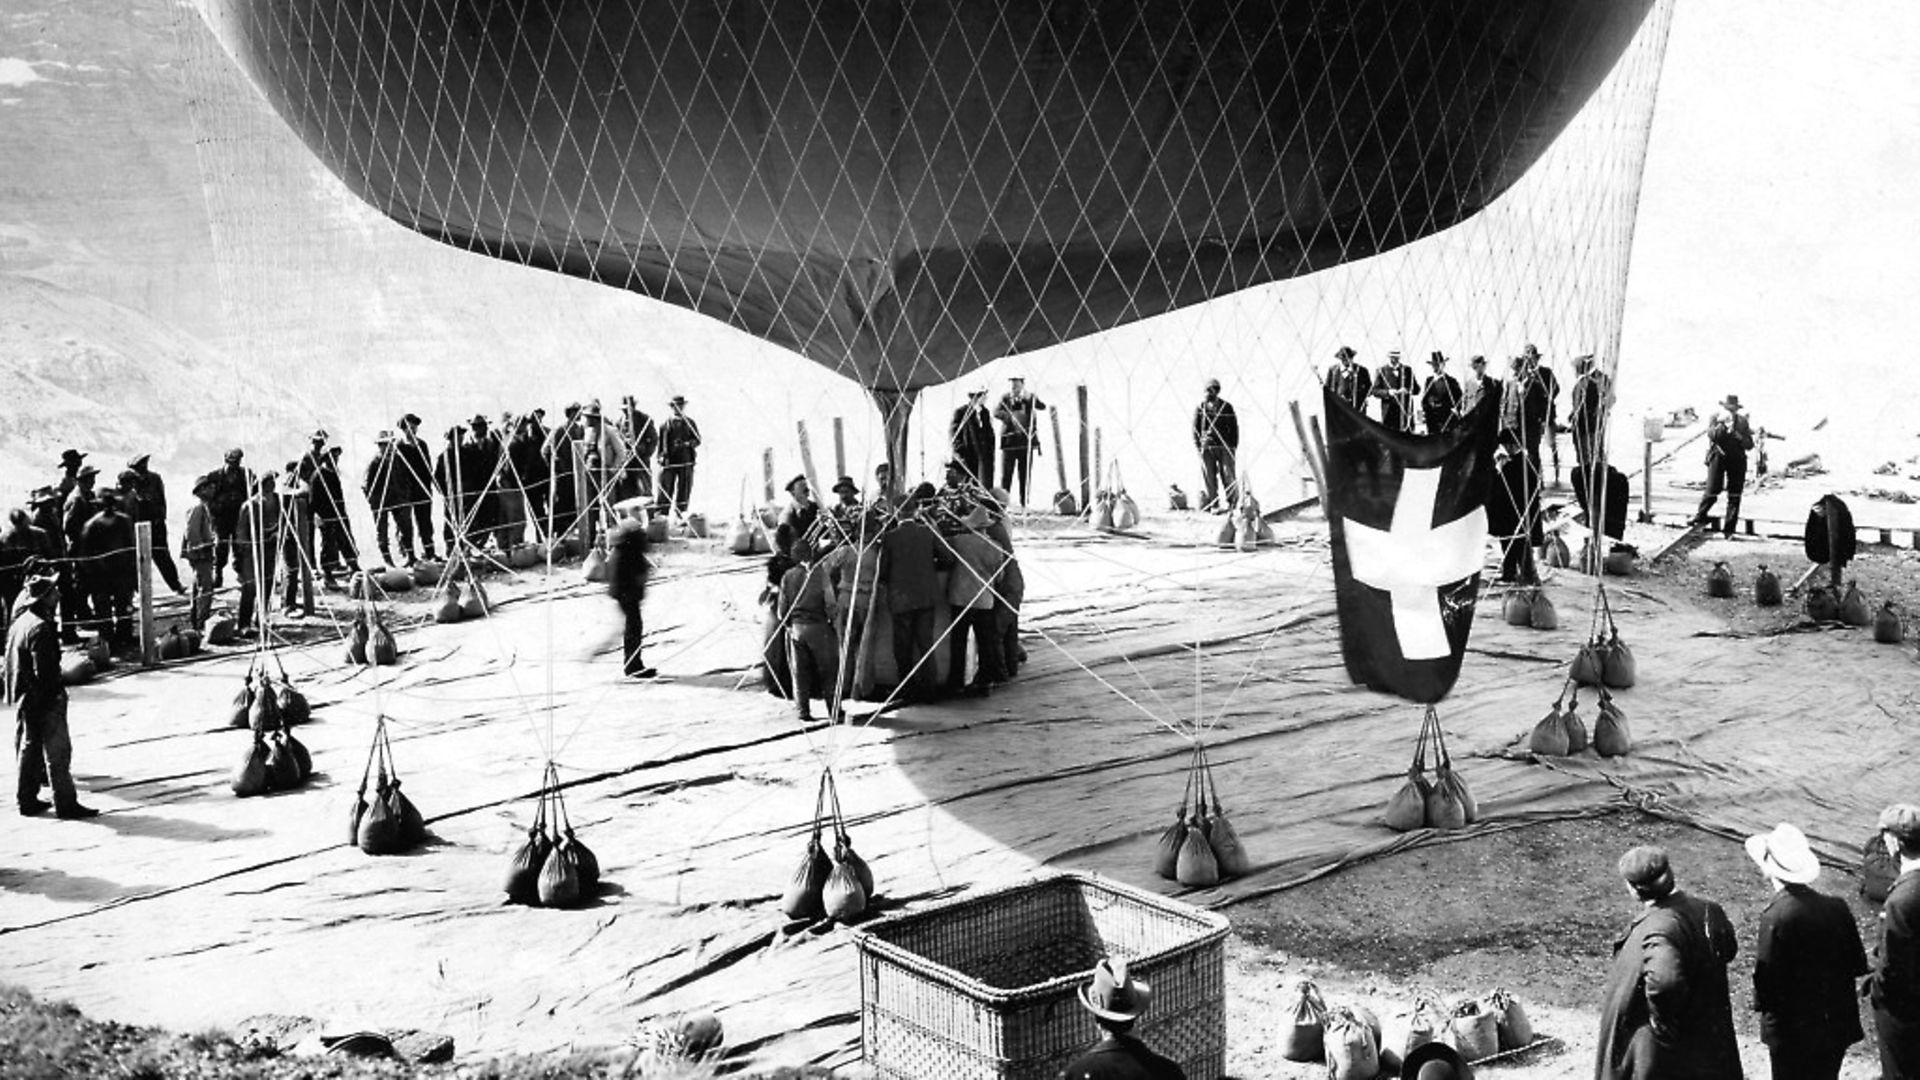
column 1729, row 437
column 807, row 606
column 971, row 436
column 1893, row 989
column 1665, row 1011
column 256, row 539
column 1592, row 399
column 1019, row 435
column 1805, row 963
column 1395, row 385
column 198, row 543
column 40, row 704
column 320, row 472
column 1348, row 380
column 410, row 487
column 909, row 573
column 82, row 503
column 1116, row 999
column 627, row 570
column 977, row 562
column 1480, row 390
column 110, row 568
column 802, row 510
column 232, row 487
column 146, row 495
column 1440, row 401
column 70, row 462
column 1216, row 434
column 377, row 485
column 679, row 449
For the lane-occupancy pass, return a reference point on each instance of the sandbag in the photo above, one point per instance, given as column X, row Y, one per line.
column 1166, row 854
column 1822, row 604
column 302, row 757
column 1473, row 1031
column 192, row 638
column 357, row 587
column 264, row 714
column 1065, row 504
column 523, row 557
column 395, row 581
column 1540, row 612
column 1126, row 513
column 1611, row 737
column 1197, row 868
column 1450, row 778
column 170, row 646
column 1853, row 607
column 242, row 705
column 1830, row 516
column 427, row 572
column 283, row 770
column 1443, row 807
column 1878, row 870
column 1518, row 607
column 583, row 858
column 843, row 853
column 740, row 537
column 474, row 605
column 449, row 609
column 1720, row 582
column 357, row 642
column 77, row 669
column 1246, row 532
column 379, row 831
column 595, row 569
column 697, row 525
column 1352, row 1051
column 1618, row 671
column 1576, row 728
column 1559, row 556
column 559, row 884
column 413, row 828
column 524, row 866
column 1618, row 563
column 1427, row 1022
column 805, row 895
column 656, row 530
column 842, row 897
column 356, row 813
column 1176, row 499
column 381, row 649
column 1511, row 1026
column 1766, row 588
column 1303, row 1019
column 250, row 776
column 223, row 631
column 1407, row 810
column 294, row 707
column 1549, row 738
column 1103, row 510
column 1588, row 669
column 1888, row 628
column 762, row 542
column 1229, row 854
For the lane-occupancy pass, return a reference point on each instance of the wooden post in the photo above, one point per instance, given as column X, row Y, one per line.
column 766, row 472
column 303, row 513
column 582, row 494
column 1646, row 486
column 143, row 551
column 1086, row 474
column 1065, row 496
column 839, row 450
column 1099, row 477
column 1834, row 566
column 806, row 460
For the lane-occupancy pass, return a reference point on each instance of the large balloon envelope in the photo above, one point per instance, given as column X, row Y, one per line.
column 902, row 190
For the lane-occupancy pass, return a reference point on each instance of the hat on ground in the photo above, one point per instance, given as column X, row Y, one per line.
column 677, row 399
column 1343, row 353
column 71, row 457
column 801, row 479
column 1645, row 867
column 1731, row 401
column 1784, row 854
column 1114, row 994
column 409, row 419
column 319, row 436
column 1435, row 1061
column 845, row 484
column 138, row 460
column 1213, row 384
column 235, row 454
column 1902, row 820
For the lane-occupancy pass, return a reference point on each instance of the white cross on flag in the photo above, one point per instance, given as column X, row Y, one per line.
column 1409, row 523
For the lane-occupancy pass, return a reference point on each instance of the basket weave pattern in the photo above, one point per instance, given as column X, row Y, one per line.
column 986, row 987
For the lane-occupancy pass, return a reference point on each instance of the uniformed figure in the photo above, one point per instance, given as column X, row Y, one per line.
column 1729, row 437
column 410, row 487
column 1806, row 960
column 1116, row 999
column 146, row 495
column 45, row 752
column 232, row 487
column 1395, row 385
column 1019, row 435
column 1349, row 381
column 679, row 449
column 198, row 542
column 807, row 606
column 110, row 568
column 1665, row 1011
column 1893, row 989
column 1440, row 401
column 971, row 435
column 1216, row 434
column 627, row 570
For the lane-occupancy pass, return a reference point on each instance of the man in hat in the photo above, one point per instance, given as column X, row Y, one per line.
column 319, row 470
column 1435, row 1061
column 971, row 436
column 910, row 576
column 232, row 487
column 679, row 449
column 627, row 570
column 1216, row 434
column 146, row 495
column 377, row 485
column 76, row 594
column 475, row 464
column 854, row 564
column 296, row 541
column 1729, row 437
column 1349, row 381
column 1513, row 510
column 70, row 464
column 1805, row 963
column 1893, row 989
column 807, row 606
column 1479, row 390
column 642, row 436
column 44, row 507
column 1525, row 408
column 1440, row 401
column 802, row 511
column 847, row 506
column 24, row 549
column 256, row 539
column 198, row 543
column 110, row 567
column 1019, row 435
column 410, row 487
column 1116, row 999
column 45, row 751
column 1665, row 1010
column 1395, row 385
column 977, row 562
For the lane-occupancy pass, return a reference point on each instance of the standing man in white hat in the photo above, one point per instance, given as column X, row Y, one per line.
column 1805, row 964
column 1116, row 1001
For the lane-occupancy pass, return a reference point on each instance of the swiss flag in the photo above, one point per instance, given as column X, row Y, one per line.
column 1409, row 523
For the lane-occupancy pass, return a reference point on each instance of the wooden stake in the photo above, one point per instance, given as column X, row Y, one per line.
column 1059, row 455
column 766, row 472
column 143, row 550
column 839, row 450
column 1086, row 473
column 1646, row 487
column 806, row 460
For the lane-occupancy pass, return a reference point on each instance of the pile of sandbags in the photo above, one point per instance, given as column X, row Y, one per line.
column 552, row 867
column 369, row 642
column 262, row 707
column 275, row 761
column 1561, row 733
column 1201, row 848
column 382, row 820
column 1529, row 606
column 1245, row 527
column 1349, row 1040
column 1445, row 802
column 840, row 888
column 460, row 601
column 1604, row 660
column 177, row 643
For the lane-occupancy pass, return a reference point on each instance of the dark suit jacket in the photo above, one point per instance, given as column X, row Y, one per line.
column 1666, row 1014
column 1895, row 986
column 1805, row 964
column 1122, row 1057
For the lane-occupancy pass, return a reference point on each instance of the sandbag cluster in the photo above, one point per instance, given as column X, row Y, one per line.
column 1201, row 847
column 1445, row 802
column 1530, row 606
column 378, row 584
column 1245, row 527
column 551, row 867
column 1349, row 1040
column 1561, row 733
column 840, row 888
column 262, row 706
column 275, row 760
column 178, row 643
column 79, row 666
column 460, row 601
column 382, row 821
column 1604, row 660
column 369, row 642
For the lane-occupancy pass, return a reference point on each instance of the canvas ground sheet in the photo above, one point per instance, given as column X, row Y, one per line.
column 185, row 906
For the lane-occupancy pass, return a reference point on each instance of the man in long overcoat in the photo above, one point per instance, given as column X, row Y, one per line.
column 1666, row 1014
column 1894, row 987
column 1806, row 958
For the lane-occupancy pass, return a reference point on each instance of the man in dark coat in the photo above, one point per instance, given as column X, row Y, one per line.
column 1395, row 385
column 25, row 549
column 319, row 470
column 1019, row 436
column 558, row 455
column 45, row 751
column 1666, row 1014
column 912, row 583
column 679, row 449
column 146, row 495
column 1513, row 511
column 110, row 567
column 231, row 488
column 1117, row 1000
column 1525, row 407
column 1480, row 390
column 1349, row 381
column 76, row 608
column 1805, row 963
column 1729, row 437
column 44, row 512
column 256, row 544
column 70, row 465
column 642, row 436
column 379, row 487
column 627, row 570
column 410, row 488
column 1592, row 399
column 1440, row 401
column 1216, row 434
column 971, row 435
column 1894, row 987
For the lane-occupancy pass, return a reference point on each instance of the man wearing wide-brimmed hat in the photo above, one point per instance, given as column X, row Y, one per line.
column 1894, row 987
column 233, row 486
column 75, row 599
column 679, row 449
column 70, row 462
column 1729, row 437
column 410, row 488
column 972, row 438
column 1349, row 381
column 1117, row 999
column 45, row 752
column 1806, row 960
column 146, row 496
column 198, row 543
